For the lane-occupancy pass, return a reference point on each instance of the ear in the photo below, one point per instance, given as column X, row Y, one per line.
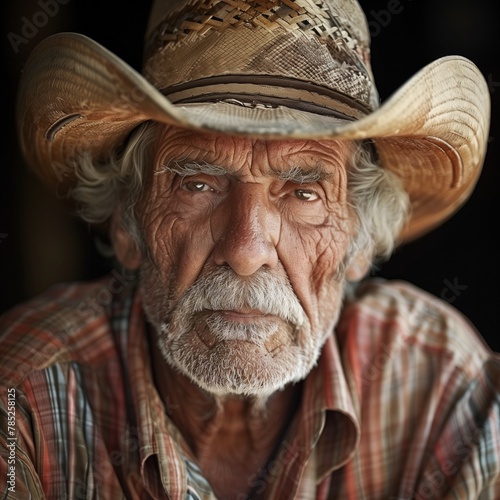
column 124, row 245
column 358, row 267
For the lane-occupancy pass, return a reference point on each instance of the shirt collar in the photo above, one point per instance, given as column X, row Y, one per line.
column 331, row 404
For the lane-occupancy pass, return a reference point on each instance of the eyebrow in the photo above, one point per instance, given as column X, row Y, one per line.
column 299, row 175
column 185, row 167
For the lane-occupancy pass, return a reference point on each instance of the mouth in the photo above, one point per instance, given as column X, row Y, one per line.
column 246, row 326
column 244, row 316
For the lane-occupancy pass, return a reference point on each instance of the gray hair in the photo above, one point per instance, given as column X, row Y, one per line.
column 380, row 203
column 101, row 187
column 375, row 194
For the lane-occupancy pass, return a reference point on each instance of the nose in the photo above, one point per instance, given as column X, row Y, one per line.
column 246, row 230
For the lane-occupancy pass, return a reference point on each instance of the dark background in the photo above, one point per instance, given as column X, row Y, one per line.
column 41, row 244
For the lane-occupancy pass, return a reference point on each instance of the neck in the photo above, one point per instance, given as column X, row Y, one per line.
column 231, row 437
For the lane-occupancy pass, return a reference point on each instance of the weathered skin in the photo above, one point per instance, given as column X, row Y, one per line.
column 249, row 219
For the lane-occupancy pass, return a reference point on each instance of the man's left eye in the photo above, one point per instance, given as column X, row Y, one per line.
column 306, row 194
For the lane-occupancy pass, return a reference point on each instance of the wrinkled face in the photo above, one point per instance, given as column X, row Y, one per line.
column 246, row 242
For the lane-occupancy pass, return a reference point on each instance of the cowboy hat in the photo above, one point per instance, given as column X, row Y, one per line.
column 262, row 68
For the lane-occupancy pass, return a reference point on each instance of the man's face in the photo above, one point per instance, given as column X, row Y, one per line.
column 243, row 273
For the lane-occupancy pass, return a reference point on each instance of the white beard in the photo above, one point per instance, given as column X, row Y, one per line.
column 228, row 357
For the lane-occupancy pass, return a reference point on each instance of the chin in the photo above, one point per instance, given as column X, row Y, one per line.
column 237, row 367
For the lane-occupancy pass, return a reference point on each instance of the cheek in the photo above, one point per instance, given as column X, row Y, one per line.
column 313, row 258
column 315, row 252
column 331, row 249
column 178, row 247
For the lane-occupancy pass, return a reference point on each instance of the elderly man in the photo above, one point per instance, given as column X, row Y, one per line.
column 247, row 181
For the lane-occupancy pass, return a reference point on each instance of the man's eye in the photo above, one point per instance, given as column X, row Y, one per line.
column 306, row 194
column 196, row 186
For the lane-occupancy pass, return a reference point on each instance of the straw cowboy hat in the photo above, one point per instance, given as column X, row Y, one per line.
column 266, row 69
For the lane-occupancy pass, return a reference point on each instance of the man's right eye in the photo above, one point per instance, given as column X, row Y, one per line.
column 196, row 186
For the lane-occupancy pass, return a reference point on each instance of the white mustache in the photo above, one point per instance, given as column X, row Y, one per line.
column 223, row 290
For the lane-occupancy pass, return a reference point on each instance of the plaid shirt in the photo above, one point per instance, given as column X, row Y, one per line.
column 403, row 403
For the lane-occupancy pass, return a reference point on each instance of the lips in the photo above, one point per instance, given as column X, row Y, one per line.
column 251, row 326
column 246, row 316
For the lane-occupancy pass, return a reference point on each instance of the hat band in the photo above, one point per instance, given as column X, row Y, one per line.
column 251, row 90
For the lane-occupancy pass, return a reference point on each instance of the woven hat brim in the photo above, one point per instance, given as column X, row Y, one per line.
column 77, row 97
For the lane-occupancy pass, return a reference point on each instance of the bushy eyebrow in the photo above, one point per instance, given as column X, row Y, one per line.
column 299, row 175
column 186, row 168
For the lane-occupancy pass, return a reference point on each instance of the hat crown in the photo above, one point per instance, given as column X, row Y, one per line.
column 310, row 51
